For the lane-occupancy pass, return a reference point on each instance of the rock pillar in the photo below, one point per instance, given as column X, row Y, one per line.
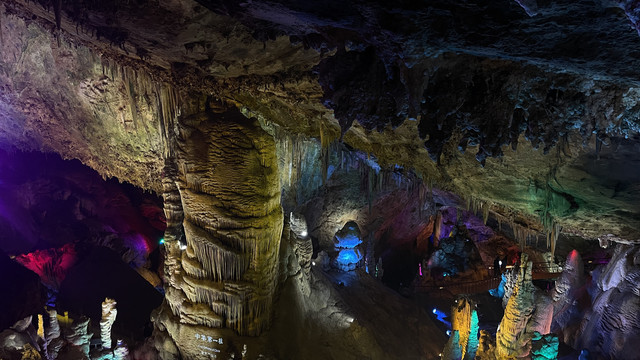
column 224, row 218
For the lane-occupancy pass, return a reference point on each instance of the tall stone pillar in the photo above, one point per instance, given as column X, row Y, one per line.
column 222, row 201
column 512, row 340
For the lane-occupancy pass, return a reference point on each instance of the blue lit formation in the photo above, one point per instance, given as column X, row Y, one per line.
column 347, row 257
column 499, row 291
column 346, row 243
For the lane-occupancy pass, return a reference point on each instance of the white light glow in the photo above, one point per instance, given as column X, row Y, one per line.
column 303, row 234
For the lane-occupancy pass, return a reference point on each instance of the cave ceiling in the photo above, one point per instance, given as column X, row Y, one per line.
column 530, row 107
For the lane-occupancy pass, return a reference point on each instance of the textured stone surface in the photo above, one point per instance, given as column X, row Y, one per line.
column 464, row 327
column 223, row 279
column 414, row 85
column 109, row 313
column 610, row 326
column 63, row 98
column 521, row 70
column 511, row 339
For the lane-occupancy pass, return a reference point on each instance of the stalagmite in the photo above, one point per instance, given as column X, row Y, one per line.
column 53, row 335
column 453, row 350
column 437, row 232
column 465, row 324
column 486, row 347
column 541, row 320
column 109, row 313
column 120, row 352
column 511, row 338
column 298, row 225
column 566, row 291
column 79, row 336
column 40, row 331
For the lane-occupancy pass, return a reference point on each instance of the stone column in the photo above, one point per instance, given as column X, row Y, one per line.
column 221, row 269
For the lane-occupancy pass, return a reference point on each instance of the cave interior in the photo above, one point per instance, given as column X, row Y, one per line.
column 283, row 179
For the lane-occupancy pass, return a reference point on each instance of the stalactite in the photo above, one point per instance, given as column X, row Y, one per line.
column 522, row 234
column 324, row 144
column 437, row 233
column 57, row 9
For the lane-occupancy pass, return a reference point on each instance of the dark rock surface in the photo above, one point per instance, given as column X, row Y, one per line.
column 103, row 274
column 24, row 295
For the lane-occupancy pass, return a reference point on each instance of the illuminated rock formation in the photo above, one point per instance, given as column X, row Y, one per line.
column 30, row 353
column 544, row 347
column 109, row 313
column 464, row 327
column 610, row 327
column 347, row 244
column 297, row 261
column 79, row 336
column 120, row 352
column 512, row 341
column 452, row 350
column 543, row 315
column 569, row 287
column 486, row 346
column 53, row 335
column 298, row 225
column 223, row 281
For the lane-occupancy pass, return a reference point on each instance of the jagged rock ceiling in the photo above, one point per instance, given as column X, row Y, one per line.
column 541, row 96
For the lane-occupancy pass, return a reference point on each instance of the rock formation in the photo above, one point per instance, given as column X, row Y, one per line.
column 227, row 181
column 569, row 287
column 464, row 327
column 298, row 225
column 347, row 243
column 486, row 347
column 452, row 350
column 530, row 107
column 544, row 347
column 609, row 326
column 54, row 339
column 512, row 341
column 109, row 313
column 79, row 336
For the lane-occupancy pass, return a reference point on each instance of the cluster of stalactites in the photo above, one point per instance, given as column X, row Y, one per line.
column 552, row 237
column 376, row 179
column 305, row 163
column 141, row 86
column 478, row 207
